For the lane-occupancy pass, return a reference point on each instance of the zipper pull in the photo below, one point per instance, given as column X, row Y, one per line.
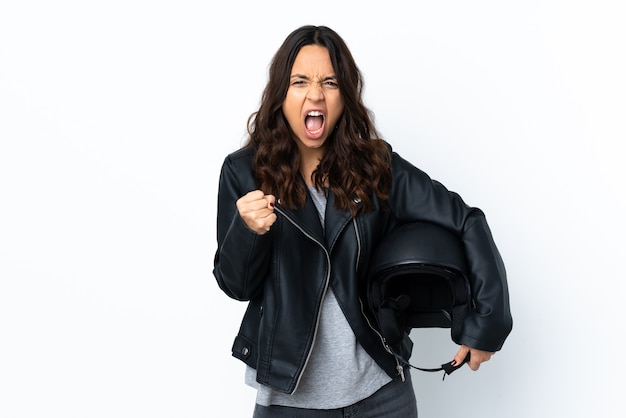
column 400, row 370
column 399, row 367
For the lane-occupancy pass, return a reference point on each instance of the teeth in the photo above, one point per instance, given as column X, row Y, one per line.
column 314, row 113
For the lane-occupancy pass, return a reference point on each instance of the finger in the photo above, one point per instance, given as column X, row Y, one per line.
column 460, row 355
column 252, row 196
column 474, row 364
column 271, row 200
column 264, row 225
column 251, row 206
column 479, row 357
column 244, row 202
column 269, row 221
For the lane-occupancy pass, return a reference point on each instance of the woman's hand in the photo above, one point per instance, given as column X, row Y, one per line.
column 476, row 356
column 257, row 211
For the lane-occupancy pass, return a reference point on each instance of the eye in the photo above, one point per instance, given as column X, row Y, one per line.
column 330, row 82
column 299, row 82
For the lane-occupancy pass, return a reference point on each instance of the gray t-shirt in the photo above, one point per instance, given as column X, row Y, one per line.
column 339, row 371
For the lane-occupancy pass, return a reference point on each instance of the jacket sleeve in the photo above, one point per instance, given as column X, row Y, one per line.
column 414, row 196
column 242, row 257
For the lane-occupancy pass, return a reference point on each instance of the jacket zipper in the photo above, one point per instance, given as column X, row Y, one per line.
column 388, row 348
column 358, row 244
column 319, row 307
column 399, row 367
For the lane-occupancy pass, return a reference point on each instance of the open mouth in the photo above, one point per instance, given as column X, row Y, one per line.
column 314, row 122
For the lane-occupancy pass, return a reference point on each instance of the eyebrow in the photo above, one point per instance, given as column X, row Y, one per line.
column 331, row 77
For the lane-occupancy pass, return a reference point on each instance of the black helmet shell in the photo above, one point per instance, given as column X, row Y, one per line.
column 417, row 279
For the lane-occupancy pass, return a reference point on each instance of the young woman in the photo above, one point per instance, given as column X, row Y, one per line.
column 300, row 209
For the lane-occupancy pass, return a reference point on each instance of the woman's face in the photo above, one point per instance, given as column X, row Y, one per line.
column 313, row 104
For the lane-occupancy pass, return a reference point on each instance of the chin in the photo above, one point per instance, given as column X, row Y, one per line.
column 310, row 144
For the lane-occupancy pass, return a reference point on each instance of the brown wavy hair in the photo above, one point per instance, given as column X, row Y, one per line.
column 356, row 162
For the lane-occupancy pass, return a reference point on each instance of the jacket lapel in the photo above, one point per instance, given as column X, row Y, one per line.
column 307, row 218
column 335, row 219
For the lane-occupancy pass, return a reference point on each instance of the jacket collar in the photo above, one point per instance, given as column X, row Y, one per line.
column 308, row 220
column 336, row 220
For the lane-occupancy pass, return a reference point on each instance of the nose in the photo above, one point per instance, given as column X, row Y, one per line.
column 316, row 92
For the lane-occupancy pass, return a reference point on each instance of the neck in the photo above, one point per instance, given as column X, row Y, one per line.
column 308, row 163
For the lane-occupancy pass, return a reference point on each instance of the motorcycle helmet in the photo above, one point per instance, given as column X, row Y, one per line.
column 417, row 278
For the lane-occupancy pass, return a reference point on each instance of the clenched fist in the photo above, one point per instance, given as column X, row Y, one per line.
column 257, row 211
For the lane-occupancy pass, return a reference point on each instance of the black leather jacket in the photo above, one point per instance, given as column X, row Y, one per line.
column 285, row 273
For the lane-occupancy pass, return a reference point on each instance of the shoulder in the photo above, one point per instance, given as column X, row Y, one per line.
column 401, row 165
column 241, row 156
column 397, row 161
column 240, row 161
column 237, row 169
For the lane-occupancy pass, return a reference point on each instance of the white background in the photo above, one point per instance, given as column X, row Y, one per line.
column 114, row 120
